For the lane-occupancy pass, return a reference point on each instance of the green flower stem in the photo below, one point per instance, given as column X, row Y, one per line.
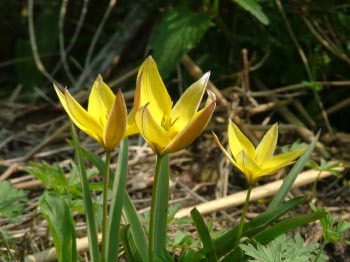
column 88, row 208
column 159, row 209
column 244, row 213
column 105, row 207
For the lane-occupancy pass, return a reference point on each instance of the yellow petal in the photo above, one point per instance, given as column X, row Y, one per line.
column 248, row 166
column 191, row 131
column 283, row 160
column 239, row 142
column 131, row 125
column 267, row 145
column 101, row 100
column 189, row 102
column 152, row 131
column 153, row 90
column 131, row 128
column 224, row 150
column 116, row 124
column 80, row 116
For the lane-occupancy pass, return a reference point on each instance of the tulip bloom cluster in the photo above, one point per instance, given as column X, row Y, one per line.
column 166, row 129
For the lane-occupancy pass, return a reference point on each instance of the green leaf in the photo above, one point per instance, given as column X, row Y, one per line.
column 208, row 244
column 287, row 225
column 11, row 201
column 62, row 228
column 116, row 207
column 130, row 246
column 224, row 244
column 294, row 172
column 192, row 256
column 136, row 230
column 159, row 212
column 285, row 249
column 178, row 32
column 331, row 232
column 254, row 8
column 88, row 208
column 129, row 211
column 265, row 219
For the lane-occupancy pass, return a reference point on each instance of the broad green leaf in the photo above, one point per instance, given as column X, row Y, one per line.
column 254, row 8
column 208, row 244
column 11, row 201
column 178, row 32
column 61, row 224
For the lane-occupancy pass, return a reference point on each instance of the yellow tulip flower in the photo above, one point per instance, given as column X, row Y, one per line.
column 105, row 119
column 166, row 128
column 260, row 161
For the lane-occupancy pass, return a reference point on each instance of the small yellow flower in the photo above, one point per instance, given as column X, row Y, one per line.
column 105, row 120
column 166, row 128
column 256, row 162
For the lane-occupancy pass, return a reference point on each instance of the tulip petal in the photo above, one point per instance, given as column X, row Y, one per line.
column 189, row 102
column 79, row 115
column 238, row 141
column 101, row 100
column 267, row 145
column 153, row 90
column 283, row 160
column 152, row 131
column 248, row 166
column 131, row 125
column 233, row 161
column 192, row 130
column 116, row 124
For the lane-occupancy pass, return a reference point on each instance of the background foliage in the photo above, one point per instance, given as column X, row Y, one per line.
column 74, row 43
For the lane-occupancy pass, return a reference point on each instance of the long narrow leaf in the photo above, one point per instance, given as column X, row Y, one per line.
column 135, row 228
column 129, row 211
column 288, row 182
column 90, row 219
column 208, row 244
column 287, row 225
column 223, row 244
column 116, row 207
column 61, row 224
column 159, row 211
column 129, row 245
column 265, row 219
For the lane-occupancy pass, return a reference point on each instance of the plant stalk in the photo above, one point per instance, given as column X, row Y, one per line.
column 105, row 207
column 244, row 213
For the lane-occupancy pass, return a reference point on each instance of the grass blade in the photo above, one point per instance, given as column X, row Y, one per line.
column 90, row 219
column 288, row 182
column 208, row 244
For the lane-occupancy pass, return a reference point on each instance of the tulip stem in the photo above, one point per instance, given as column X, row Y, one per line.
column 244, row 213
column 159, row 209
column 105, row 207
